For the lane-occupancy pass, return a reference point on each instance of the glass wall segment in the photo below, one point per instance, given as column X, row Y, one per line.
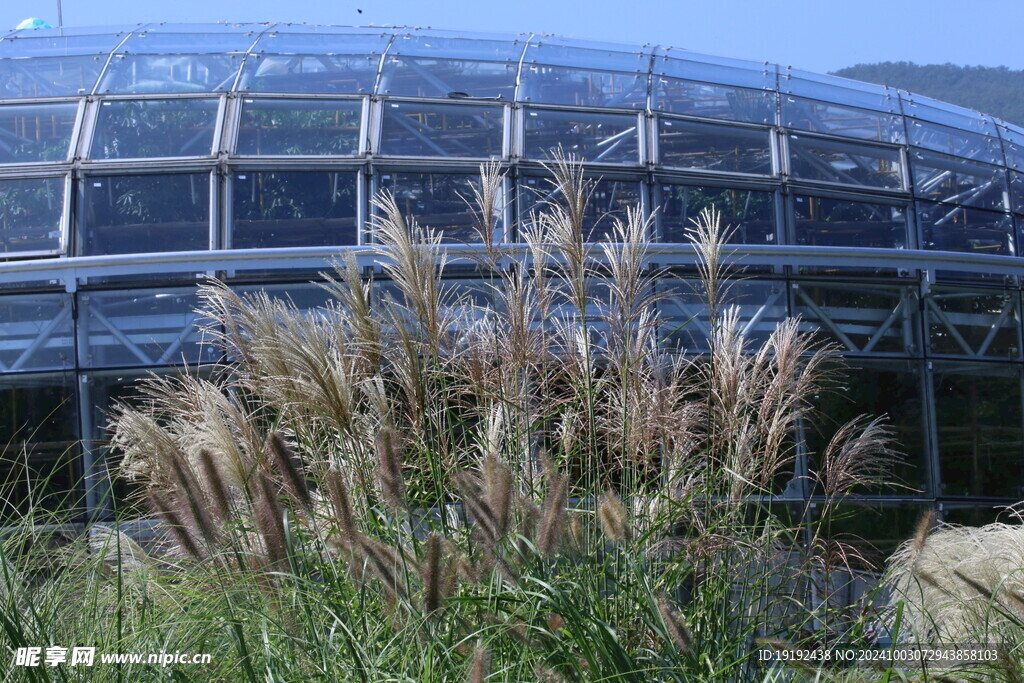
column 436, row 200
column 38, row 332
column 954, row 141
column 842, row 91
column 591, row 137
column 926, row 109
column 1016, row 192
column 942, row 178
column 687, row 144
column 712, row 87
column 39, row 428
column 833, row 119
column 143, row 129
column 36, row 132
column 610, row 199
column 293, row 209
column 440, row 130
column 749, row 214
column 145, row 213
column 314, row 59
column 140, row 327
column 861, row 318
column 450, row 65
column 978, row 423
column 34, row 65
column 299, row 127
column 845, row 223
column 687, row 322
column 973, row 323
column 31, row 212
column 849, row 163
column 560, row 71
column 953, row 228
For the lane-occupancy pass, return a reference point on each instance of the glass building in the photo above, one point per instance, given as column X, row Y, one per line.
column 134, row 160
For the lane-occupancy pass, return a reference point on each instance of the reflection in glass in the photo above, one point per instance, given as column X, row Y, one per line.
column 293, row 209
column 601, row 138
column 412, row 129
column 861, row 318
column 686, row 144
column 137, row 129
column 438, row 201
column 30, row 215
column 749, row 214
column 145, row 213
column 954, row 228
column 37, row 332
column 963, row 322
column 38, row 132
column 943, row 178
column 299, row 127
column 978, row 422
column 843, row 223
column 38, row 450
column 609, row 199
column 140, row 327
column 844, row 162
column 834, row 119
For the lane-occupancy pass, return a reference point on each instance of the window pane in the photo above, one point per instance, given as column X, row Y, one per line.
column 606, row 138
column 861, row 318
column 943, row 178
column 713, row 101
column 37, row 332
column 145, row 213
column 437, row 200
column 841, row 91
column 57, row 65
column 286, row 127
column 973, row 322
column 560, row 71
column 610, row 199
column 39, row 132
column 842, row 223
column 141, row 327
column 844, row 162
column 685, row 144
column 38, row 450
column 978, row 420
column 435, row 65
column 1016, row 192
column 954, row 141
column 293, row 209
column 749, row 214
column 687, row 321
column 951, row 228
column 413, row 129
column 154, row 128
column 30, row 215
column 833, row 119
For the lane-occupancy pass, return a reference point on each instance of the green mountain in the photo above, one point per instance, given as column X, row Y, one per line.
column 994, row 90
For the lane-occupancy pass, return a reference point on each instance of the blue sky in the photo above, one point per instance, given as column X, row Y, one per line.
column 819, row 35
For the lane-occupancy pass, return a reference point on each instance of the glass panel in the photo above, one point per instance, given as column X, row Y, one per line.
column 861, row 318
column 437, row 65
column 749, row 214
column 140, row 327
column 315, row 59
column 943, row 178
column 873, row 530
column 844, row 162
column 609, row 199
column 954, row 141
column 55, row 65
column 680, row 63
column 154, row 128
column 833, row 119
column 890, row 388
column 843, row 223
column 305, row 296
column 38, row 132
column 145, row 213
column 38, row 450
column 712, row 101
column 37, row 332
column 437, row 200
column 936, row 111
column 604, row 138
column 978, row 421
column 687, row 321
column 1013, row 145
column 299, row 127
column 1016, row 192
column 30, row 215
column 558, row 71
column 950, row 228
column 973, row 322
column 686, row 144
column 828, row 88
column 293, row 209
column 413, row 129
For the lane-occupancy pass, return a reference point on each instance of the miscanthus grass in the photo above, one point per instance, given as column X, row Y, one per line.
column 422, row 482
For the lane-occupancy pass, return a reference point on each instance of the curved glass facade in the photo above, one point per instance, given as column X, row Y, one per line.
column 135, row 159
